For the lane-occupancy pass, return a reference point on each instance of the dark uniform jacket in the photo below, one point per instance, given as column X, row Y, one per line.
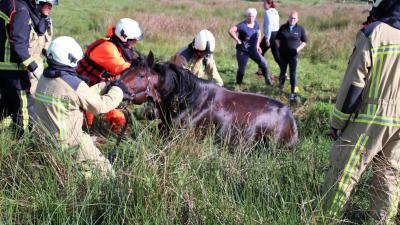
column 15, row 27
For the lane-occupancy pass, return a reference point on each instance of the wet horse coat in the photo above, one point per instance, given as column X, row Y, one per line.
column 187, row 101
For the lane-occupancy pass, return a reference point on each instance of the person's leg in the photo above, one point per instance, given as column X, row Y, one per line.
column 263, row 46
column 91, row 160
column 292, row 72
column 264, row 49
column 242, row 58
column 274, row 48
column 282, row 75
column 23, row 105
column 385, row 182
column 349, row 157
column 262, row 63
column 5, row 91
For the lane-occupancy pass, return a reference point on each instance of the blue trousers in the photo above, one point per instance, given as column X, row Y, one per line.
column 242, row 58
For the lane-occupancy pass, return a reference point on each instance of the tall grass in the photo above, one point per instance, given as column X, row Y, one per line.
column 188, row 178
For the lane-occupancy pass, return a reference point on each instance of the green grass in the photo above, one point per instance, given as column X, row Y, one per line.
column 187, row 179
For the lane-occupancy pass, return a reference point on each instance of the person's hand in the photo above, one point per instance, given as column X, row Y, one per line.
column 32, row 66
column 333, row 134
column 239, row 42
column 128, row 96
column 259, row 50
column 267, row 43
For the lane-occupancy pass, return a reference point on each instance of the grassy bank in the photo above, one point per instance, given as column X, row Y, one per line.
column 187, row 179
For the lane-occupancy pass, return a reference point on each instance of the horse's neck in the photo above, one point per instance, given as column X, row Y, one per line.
column 204, row 93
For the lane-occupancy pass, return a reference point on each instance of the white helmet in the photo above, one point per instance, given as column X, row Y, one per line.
column 204, row 41
column 65, row 50
column 53, row 2
column 127, row 28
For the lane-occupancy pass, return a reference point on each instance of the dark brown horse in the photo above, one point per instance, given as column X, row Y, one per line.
column 185, row 101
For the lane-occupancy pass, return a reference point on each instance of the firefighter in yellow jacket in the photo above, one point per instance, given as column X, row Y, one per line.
column 197, row 57
column 366, row 118
column 60, row 98
column 40, row 39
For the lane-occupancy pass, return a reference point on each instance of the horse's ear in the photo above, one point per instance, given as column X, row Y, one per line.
column 150, row 59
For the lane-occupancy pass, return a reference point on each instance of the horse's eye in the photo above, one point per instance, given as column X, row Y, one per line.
column 141, row 75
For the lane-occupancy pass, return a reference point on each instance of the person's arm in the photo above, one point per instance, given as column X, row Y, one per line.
column 353, row 83
column 267, row 27
column 212, row 71
column 303, row 40
column 233, row 32
column 259, row 38
column 278, row 37
column 179, row 60
column 301, row 46
column 19, row 40
column 49, row 36
column 108, row 56
column 93, row 102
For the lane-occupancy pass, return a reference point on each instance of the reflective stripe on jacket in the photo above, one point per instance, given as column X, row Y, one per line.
column 59, row 103
column 14, row 35
column 375, row 67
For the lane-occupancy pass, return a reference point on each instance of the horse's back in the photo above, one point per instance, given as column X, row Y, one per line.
column 261, row 115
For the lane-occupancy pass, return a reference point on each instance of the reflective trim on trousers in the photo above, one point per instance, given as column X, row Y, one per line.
column 24, row 109
column 378, row 120
column 354, row 158
column 393, row 207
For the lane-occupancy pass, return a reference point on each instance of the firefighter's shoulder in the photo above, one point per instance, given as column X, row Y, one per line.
column 367, row 30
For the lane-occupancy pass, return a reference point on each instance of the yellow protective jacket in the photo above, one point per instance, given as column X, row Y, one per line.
column 375, row 67
column 59, row 103
column 200, row 67
column 38, row 43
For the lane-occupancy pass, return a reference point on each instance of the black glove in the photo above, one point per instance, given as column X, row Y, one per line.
column 128, row 96
column 32, row 66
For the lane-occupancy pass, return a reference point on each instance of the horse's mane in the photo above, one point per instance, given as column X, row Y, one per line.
column 180, row 83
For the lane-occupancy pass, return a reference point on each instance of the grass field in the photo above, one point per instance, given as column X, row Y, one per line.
column 186, row 179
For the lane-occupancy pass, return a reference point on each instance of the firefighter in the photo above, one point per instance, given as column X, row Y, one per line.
column 39, row 40
column 20, row 20
column 365, row 119
column 198, row 58
column 107, row 58
column 60, row 98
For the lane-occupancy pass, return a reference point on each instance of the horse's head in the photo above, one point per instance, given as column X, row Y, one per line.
column 140, row 80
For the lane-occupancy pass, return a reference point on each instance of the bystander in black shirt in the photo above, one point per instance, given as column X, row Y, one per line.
column 289, row 40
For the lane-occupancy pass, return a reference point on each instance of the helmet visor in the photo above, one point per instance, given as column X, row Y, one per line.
column 373, row 4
